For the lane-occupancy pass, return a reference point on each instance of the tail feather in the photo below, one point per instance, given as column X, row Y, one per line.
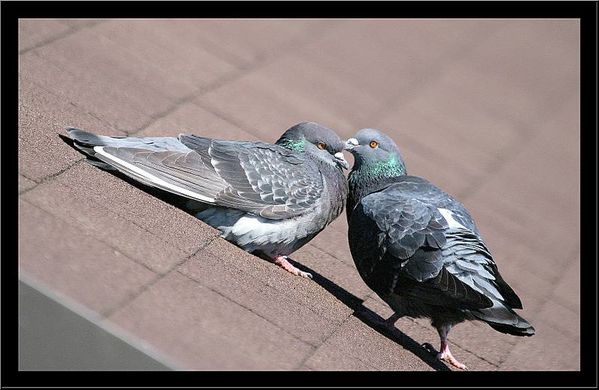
column 85, row 142
column 505, row 320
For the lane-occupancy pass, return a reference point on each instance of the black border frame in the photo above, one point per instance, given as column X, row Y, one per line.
column 586, row 11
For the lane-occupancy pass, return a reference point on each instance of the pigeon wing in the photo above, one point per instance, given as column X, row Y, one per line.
column 397, row 240
column 256, row 177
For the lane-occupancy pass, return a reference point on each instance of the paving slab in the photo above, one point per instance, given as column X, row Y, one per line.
column 34, row 32
column 163, row 60
column 75, row 263
column 42, row 117
column 356, row 346
column 73, row 204
column 190, row 118
column 203, row 330
column 25, row 183
column 421, row 332
column 391, row 58
column 344, row 276
column 517, row 54
column 113, row 94
column 247, row 41
column 567, row 291
column 547, row 350
column 261, row 108
column 175, row 226
column 298, row 81
column 295, row 304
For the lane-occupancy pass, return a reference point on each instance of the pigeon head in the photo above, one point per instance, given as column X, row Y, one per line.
column 320, row 142
column 375, row 154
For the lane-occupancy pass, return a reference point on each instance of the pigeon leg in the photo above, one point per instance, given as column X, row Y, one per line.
column 445, row 353
column 282, row 262
column 389, row 323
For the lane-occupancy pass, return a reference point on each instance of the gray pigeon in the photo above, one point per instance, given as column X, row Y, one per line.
column 267, row 199
column 419, row 249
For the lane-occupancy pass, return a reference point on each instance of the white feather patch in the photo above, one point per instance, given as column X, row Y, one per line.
column 448, row 215
column 152, row 178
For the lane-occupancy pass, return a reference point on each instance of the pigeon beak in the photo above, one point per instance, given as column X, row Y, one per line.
column 351, row 143
column 341, row 160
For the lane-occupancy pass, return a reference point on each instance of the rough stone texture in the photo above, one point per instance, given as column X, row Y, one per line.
column 25, row 183
column 191, row 118
column 356, row 346
column 204, row 330
column 299, row 305
column 486, row 109
column 42, row 117
column 74, row 262
column 74, row 205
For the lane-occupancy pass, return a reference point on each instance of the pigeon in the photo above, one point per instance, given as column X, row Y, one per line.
column 268, row 199
column 419, row 249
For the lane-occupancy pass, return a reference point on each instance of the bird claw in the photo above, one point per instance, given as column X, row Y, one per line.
column 303, row 274
column 448, row 358
column 282, row 262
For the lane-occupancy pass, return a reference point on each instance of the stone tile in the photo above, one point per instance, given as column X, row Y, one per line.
column 450, row 130
column 204, row 330
column 562, row 319
column 298, row 305
column 567, row 290
column 74, row 262
column 339, row 272
column 81, row 23
column 333, row 240
column 534, row 198
column 101, row 77
column 25, row 183
column 172, row 65
column 190, row 118
column 547, row 350
column 390, row 58
column 263, row 109
column 33, row 32
column 247, row 41
column 357, row 347
column 298, row 81
column 478, row 353
column 536, row 58
column 173, row 225
column 73, row 205
column 42, row 117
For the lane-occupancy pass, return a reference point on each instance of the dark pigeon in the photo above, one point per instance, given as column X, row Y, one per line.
column 419, row 249
column 269, row 199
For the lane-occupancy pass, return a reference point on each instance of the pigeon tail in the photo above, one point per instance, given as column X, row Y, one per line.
column 505, row 320
column 85, row 142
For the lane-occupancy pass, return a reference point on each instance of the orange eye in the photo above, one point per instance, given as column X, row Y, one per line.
column 322, row 145
column 373, row 144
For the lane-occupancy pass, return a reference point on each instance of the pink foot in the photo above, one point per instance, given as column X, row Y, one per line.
column 282, row 262
column 446, row 356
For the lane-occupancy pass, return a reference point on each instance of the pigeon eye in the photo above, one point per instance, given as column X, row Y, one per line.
column 373, row 144
column 322, row 145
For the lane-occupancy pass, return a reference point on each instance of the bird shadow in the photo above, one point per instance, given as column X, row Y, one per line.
column 364, row 314
column 425, row 352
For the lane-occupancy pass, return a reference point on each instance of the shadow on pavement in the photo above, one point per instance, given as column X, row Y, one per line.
column 374, row 321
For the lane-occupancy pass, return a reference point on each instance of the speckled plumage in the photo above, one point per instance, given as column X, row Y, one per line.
column 266, row 198
column 419, row 249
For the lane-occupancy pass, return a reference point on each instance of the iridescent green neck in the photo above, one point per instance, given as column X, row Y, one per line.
column 390, row 168
column 368, row 171
column 298, row 145
column 369, row 177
